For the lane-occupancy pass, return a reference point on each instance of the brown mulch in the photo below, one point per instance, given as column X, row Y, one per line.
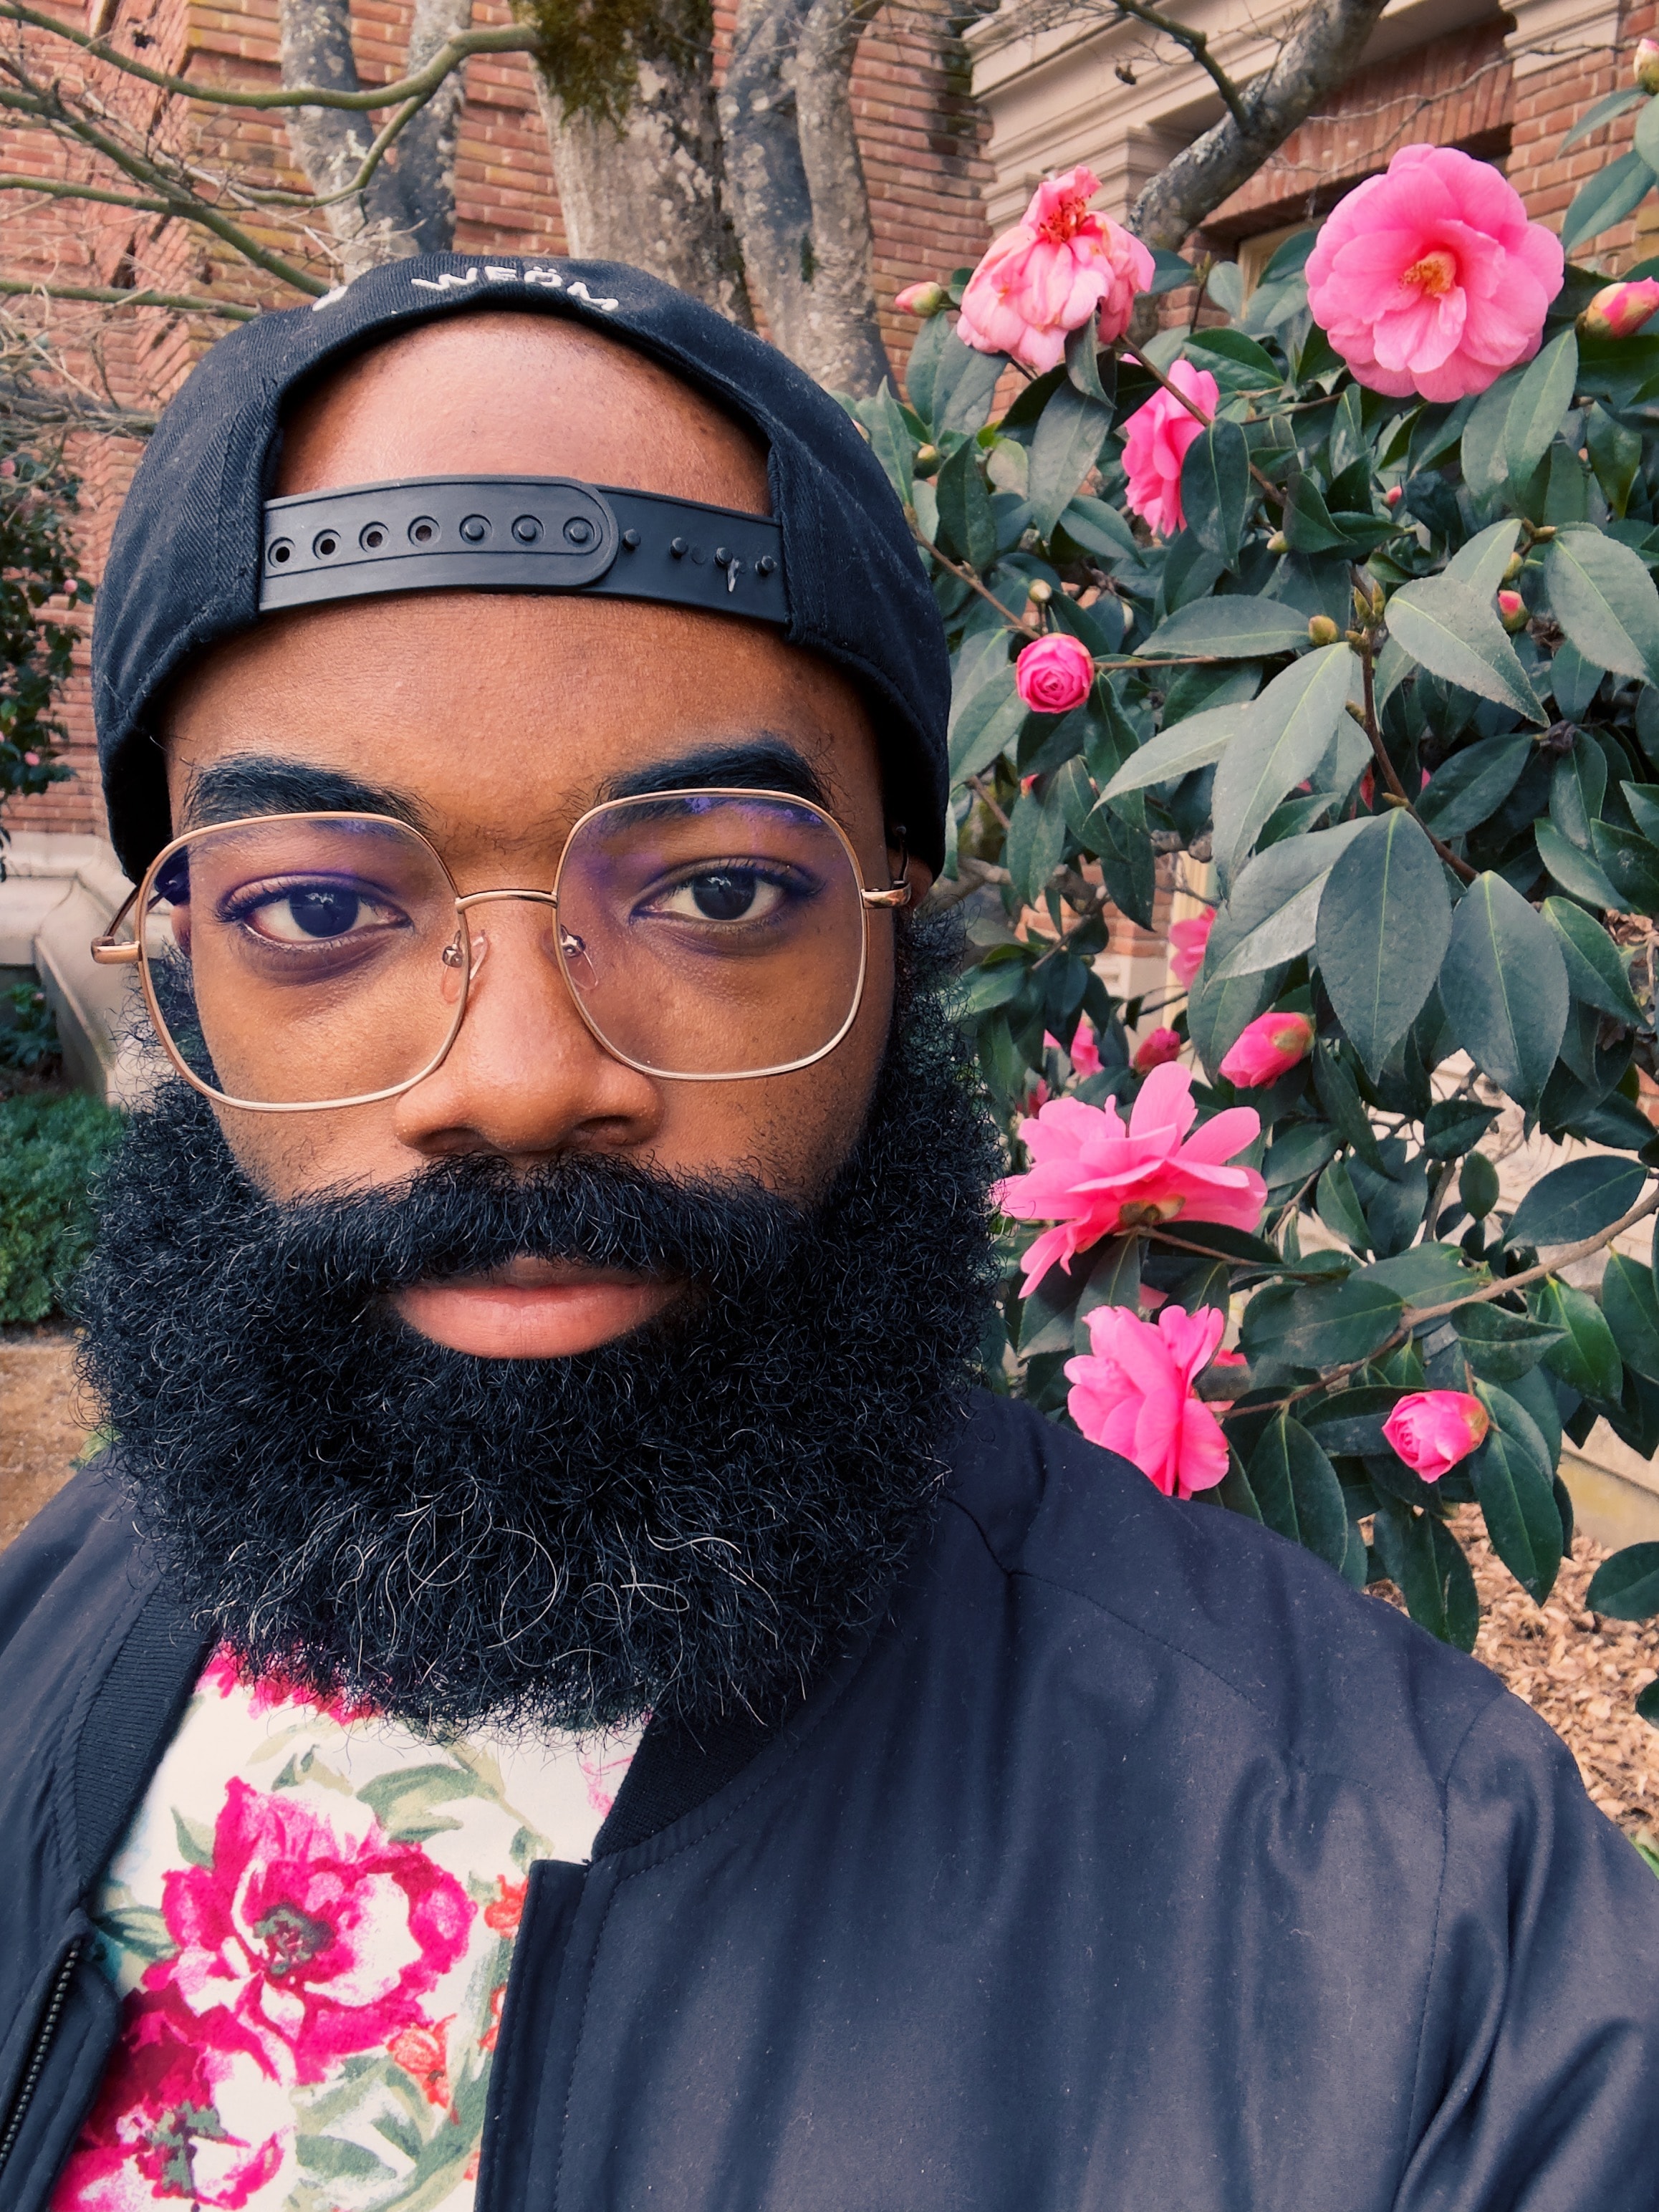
column 41, row 1433
column 1579, row 1673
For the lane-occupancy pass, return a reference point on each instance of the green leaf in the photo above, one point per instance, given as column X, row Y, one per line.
column 1470, row 787
column 1296, row 1489
column 1328, row 1326
column 1514, row 1482
column 1630, row 1303
column 1579, row 784
column 1048, row 1317
column 1419, row 1554
column 1385, row 923
column 1340, row 1210
column 1477, row 1186
column 1642, row 801
column 922, row 367
column 891, row 439
column 195, row 1839
column 1098, row 528
column 1455, row 1126
column 404, row 1801
column 1066, row 445
column 1455, row 633
column 1193, row 743
column 1215, row 487
column 1235, row 627
column 1575, row 1201
column 1587, row 1359
column 1036, row 838
column 1234, row 1490
column 1607, row 198
column 1308, row 523
column 964, row 508
column 1540, row 402
column 964, row 382
column 1082, row 361
column 1627, row 1586
column 1604, row 111
column 1605, row 600
column 1615, row 455
column 1630, row 866
column 989, row 721
column 1114, row 1279
column 1274, row 905
column 1480, row 563
column 1503, row 986
column 1576, row 873
column 1501, row 1346
column 1482, row 448
column 1233, row 345
column 1425, row 1275
column 1349, row 1423
column 1289, row 732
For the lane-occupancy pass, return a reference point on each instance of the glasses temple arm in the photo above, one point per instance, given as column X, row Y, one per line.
column 105, row 950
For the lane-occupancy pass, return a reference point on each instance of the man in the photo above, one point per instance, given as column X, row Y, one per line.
column 560, row 1696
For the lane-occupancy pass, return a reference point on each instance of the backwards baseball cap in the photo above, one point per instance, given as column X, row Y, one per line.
column 202, row 551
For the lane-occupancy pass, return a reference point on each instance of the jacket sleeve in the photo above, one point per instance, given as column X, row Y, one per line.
column 1538, row 2077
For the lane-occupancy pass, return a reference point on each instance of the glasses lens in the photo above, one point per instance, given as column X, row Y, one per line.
column 301, row 959
column 709, row 934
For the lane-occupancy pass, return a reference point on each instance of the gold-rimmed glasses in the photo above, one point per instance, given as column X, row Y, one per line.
column 294, row 962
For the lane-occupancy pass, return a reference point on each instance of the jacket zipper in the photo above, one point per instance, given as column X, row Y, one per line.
column 56, row 1998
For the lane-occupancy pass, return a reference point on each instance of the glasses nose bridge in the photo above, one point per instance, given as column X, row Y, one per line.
column 464, row 900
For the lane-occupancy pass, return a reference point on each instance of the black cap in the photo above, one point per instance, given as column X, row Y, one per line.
column 189, row 559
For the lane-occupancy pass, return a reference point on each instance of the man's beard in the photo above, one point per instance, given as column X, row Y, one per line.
column 691, row 1518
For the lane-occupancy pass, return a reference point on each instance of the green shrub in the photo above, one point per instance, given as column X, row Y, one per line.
column 50, row 1149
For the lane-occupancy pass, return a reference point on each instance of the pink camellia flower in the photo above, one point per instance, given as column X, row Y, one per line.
column 1154, row 1051
column 1269, row 1048
column 1044, row 278
column 1084, row 1053
column 1133, row 1394
column 1189, row 940
column 1619, row 311
column 31, row 759
column 1094, row 1176
column 1155, row 439
column 1430, row 279
column 922, row 300
column 1053, row 674
column 1646, row 70
column 1432, row 1429
column 305, row 1945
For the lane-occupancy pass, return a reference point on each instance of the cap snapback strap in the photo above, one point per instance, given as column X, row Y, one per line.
column 519, row 534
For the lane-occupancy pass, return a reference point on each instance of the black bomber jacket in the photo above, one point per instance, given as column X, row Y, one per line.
column 1133, row 1863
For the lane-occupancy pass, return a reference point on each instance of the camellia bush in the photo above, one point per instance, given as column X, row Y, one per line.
column 1346, row 594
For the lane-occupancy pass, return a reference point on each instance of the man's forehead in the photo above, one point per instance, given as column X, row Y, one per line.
column 519, row 394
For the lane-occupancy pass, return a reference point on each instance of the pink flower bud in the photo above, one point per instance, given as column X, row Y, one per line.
column 1055, row 674
column 1394, row 495
column 923, row 299
column 1153, row 1051
column 1432, row 1429
column 1269, row 1048
column 1084, row 1052
column 1617, row 311
column 1646, row 71
column 8, row 467
column 31, row 760
column 1512, row 611
column 1188, row 939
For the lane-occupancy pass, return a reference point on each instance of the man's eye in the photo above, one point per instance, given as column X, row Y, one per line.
column 723, row 895
column 315, row 913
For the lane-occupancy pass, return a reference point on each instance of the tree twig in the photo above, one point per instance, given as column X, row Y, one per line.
column 108, row 295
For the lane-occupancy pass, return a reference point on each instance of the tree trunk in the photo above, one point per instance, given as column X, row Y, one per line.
column 648, row 191
column 799, row 192
column 1322, row 50
column 409, row 204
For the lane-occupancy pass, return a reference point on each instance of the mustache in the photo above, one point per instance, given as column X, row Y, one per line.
column 467, row 1215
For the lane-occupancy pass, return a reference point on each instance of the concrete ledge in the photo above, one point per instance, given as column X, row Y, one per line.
column 59, row 894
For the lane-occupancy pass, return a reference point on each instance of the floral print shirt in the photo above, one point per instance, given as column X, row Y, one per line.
column 310, row 1922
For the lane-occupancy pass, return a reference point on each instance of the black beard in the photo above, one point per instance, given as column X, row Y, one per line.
column 692, row 1519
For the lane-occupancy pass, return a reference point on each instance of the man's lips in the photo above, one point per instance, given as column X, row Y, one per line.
column 533, row 1308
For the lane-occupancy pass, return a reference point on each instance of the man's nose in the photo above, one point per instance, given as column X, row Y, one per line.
column 525, row 1077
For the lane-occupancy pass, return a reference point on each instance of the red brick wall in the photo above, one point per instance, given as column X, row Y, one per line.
column 920, row 133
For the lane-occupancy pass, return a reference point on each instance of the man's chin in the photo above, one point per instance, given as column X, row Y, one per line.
column 576, row 1311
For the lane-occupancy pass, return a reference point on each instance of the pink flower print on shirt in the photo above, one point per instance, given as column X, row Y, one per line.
column 506, row 1909
column 597, row 1772
column 422, row 2052
column 226, row 1674
column 308, row 1944
column 156, row 2134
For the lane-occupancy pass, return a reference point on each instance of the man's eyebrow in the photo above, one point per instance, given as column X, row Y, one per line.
column 261, row 783
column 759, row 765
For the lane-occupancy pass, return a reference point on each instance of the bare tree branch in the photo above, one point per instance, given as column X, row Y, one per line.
column 1323, row 48
column 1197, row 45
column 111, row 295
